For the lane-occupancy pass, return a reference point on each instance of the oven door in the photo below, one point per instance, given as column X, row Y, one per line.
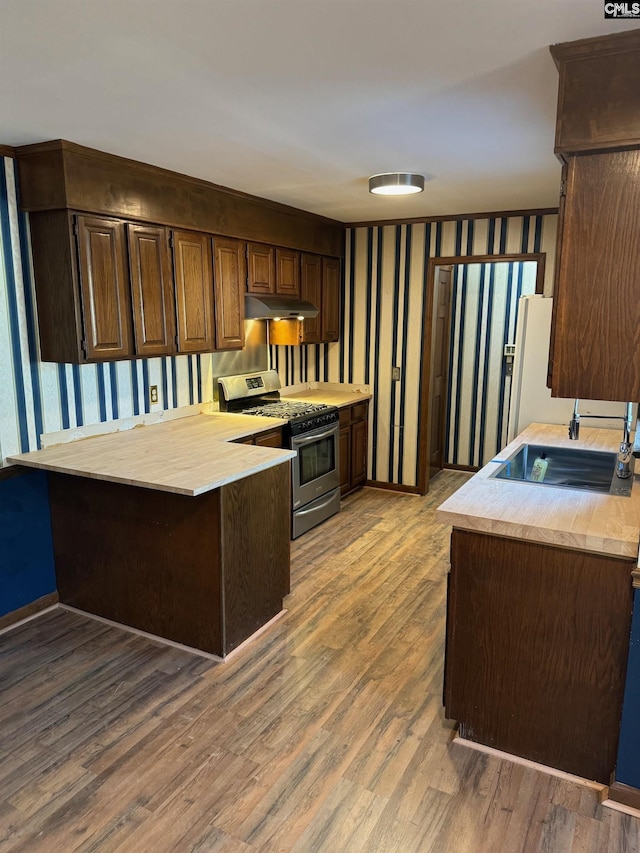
column 316, row 468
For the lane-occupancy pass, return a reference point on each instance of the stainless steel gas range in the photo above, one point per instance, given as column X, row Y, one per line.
column 312, row 430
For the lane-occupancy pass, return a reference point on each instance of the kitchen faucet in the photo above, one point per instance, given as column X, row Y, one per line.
column 623, row 463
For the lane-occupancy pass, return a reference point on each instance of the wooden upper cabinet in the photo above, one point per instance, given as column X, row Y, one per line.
column 288, row 272
column 319, row 284
column 229, row 286
column 599, row 93
column 193, row 273
column 104, row 286
column 59, row 174
column 152, row 294
column 596, row 340
column 311, row 289
column 556, row 272
column 83, row 283
column 261, row 263
column 330, row 299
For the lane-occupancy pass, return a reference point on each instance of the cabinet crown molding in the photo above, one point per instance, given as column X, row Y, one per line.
column 60, row 174
column 621, row 42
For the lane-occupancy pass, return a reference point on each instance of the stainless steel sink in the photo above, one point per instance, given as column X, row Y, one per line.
column 568, row 468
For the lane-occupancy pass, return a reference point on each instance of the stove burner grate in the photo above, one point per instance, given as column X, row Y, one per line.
column 284, row 410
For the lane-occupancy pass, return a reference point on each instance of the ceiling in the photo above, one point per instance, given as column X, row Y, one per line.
column 301, row 100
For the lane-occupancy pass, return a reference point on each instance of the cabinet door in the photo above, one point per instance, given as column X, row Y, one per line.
column 287, row 272
column 57, row 283
column 105, row 288
column 597, row 320
column 556, row 273
column 193, row 271
column 230, row 280
column 358, row 452
column 311, row 289
column 345, row 460
column 544, row 629
column 597, row 97
column 261, row 263
column 330, row 299
column 152, row 296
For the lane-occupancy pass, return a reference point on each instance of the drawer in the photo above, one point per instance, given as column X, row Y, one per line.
column 359, row 411
column 345, row 416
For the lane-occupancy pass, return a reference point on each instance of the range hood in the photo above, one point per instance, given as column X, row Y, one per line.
column 277, row 307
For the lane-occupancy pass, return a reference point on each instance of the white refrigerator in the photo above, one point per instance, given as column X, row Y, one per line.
column 531, row 400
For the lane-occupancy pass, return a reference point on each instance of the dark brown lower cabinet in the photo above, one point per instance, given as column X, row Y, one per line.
column 354, row 431
column 266, row 438
column 345, row 459
column 269, row 438
column 205, row 571
column 536, row 652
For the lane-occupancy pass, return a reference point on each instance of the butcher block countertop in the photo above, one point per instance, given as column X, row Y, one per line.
column 331, row 393
column 188, row 456
column 569, row 518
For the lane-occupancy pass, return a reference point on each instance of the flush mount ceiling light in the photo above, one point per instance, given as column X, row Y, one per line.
column 396, row 183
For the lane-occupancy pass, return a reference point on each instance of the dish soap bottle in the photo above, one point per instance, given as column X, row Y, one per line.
column 539, row 468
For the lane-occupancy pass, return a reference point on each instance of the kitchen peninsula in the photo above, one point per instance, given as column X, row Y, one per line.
column 539, row 612
column 173, row 529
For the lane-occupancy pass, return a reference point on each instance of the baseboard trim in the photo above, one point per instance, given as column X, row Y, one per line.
column 29, row 611
column 263, row 629
column 449, row 466
column 140, row 633
column 623, row 798
column 393, row 487
column 620, row 807
column 525, row 762
column 163, row 641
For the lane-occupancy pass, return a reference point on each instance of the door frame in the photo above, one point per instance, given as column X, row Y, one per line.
column 424, row 404
column 446, row 343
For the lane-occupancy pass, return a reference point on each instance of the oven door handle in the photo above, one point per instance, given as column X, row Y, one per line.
column 307, row 439
column 300, row 512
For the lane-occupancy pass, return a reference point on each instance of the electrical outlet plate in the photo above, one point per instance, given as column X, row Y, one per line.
column 395, row 374
column 153, row 394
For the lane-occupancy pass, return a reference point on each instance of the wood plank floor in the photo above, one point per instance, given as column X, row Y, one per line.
column 325, row 734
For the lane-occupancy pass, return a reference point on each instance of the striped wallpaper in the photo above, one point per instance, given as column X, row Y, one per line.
column 41, row 397
column 382, row 326
column 483, row 319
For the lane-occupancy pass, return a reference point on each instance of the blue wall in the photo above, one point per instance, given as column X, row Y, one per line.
column 26, row 554
column 39, row 397
column 628, row 767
